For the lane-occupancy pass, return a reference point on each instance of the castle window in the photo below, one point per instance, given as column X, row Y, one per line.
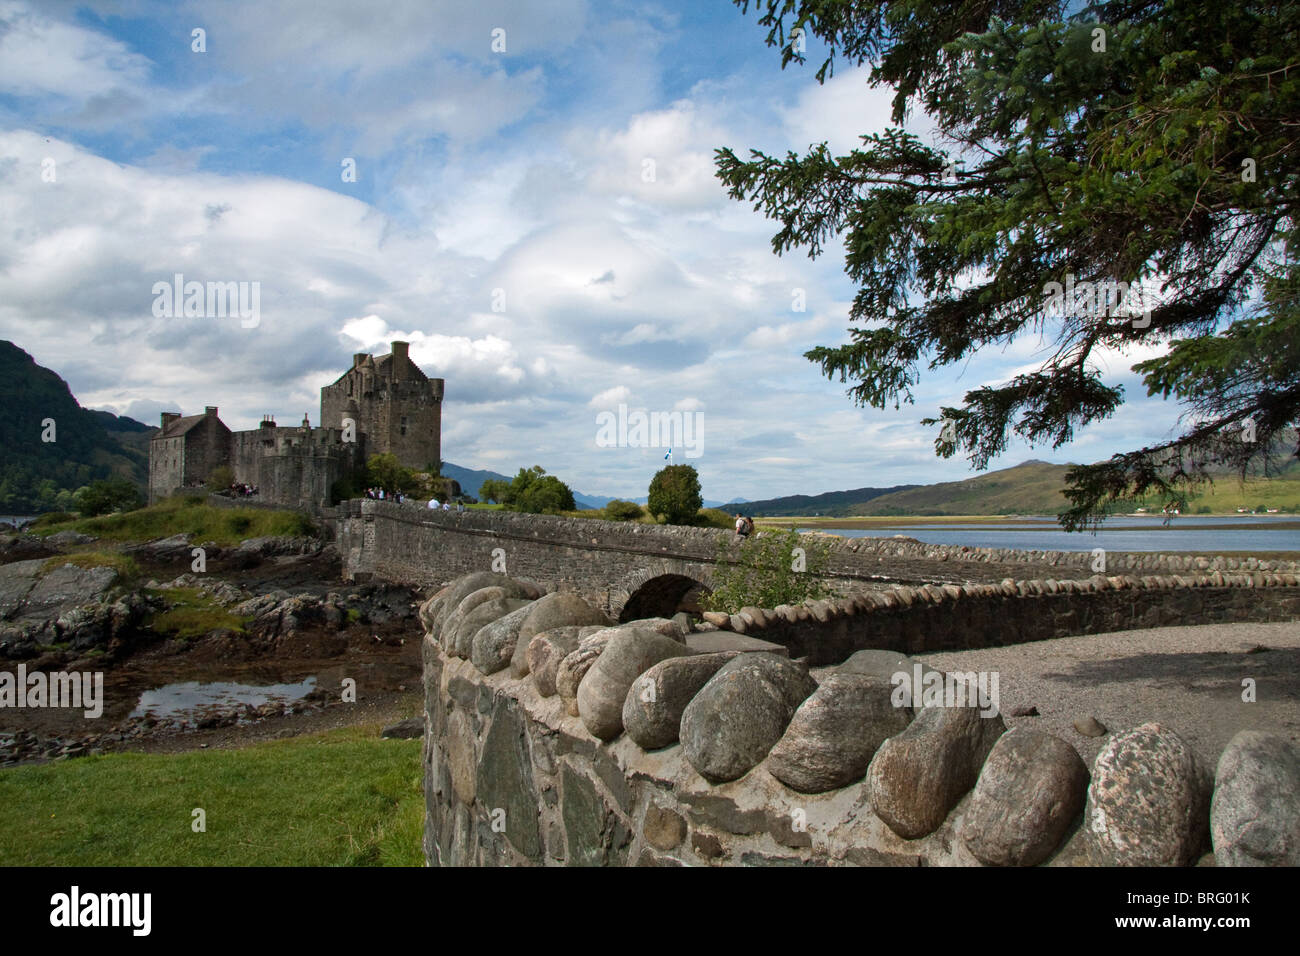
column 403, row 427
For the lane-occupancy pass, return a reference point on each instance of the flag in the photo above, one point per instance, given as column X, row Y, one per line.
column 669, row 456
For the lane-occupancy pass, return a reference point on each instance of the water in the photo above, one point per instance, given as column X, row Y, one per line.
column 192, row 697
column 1190, row 533
column 17, row 520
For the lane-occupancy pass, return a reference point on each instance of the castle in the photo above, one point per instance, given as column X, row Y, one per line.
column 384, row 404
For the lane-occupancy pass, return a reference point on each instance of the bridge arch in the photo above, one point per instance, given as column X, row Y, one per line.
column 659, row 590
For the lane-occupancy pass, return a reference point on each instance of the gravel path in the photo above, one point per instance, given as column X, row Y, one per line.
column 1188, row 678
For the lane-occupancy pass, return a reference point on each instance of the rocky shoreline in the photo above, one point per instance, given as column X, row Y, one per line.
column 286, row 615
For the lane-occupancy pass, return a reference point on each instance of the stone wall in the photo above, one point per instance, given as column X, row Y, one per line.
column 661, row 742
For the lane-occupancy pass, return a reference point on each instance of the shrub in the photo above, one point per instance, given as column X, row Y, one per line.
column 767, row 570
column 714, row 518
column 108, row 495
column 619, row 510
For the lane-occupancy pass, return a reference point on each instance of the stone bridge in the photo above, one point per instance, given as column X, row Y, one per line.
column 635, row 570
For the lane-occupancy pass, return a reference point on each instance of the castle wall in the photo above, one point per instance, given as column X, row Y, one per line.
column 294, row 467
column 393, row 403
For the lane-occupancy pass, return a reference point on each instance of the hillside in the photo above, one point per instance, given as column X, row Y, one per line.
column 36, row 475
column 836, row 503
column 1033, row 487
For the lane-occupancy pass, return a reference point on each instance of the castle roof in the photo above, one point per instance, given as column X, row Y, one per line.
column 179, row 426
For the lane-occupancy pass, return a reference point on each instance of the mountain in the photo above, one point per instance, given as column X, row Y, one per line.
column 1032, row 487
column 41, row 475
column 838, row 503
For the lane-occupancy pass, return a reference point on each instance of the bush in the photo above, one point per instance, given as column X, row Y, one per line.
column 714, row 518
column 675, row 494
column 766, row 572
column 108, row 495
column 618, row 510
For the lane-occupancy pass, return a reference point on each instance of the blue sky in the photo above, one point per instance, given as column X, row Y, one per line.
column 513, row 178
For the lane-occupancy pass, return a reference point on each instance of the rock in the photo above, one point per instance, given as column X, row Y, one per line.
column 1090, row 727
column 884, row 664
column 653, row 707
column 493, row 644
column 663, row 828
column 1030, row 790
column 462, row 763
column 1029, row 711
column 736, row 718
column 16, row 581
column 604, row 688
column 561, row 609
column 428, row 612
column 463, row 587
column 67, row 539
column 407, row 729
column 918, row 776
column 1255, row 814
column 713, row 642
column 67, row 586
column 505, row 781
column 718, row 618
column 519, row 659
column 545, row 651
column 835, row 733
column 573, row 668
column 1148, row 802
column 462, row 641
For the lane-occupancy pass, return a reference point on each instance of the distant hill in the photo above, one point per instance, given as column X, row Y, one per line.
column 41, row 476
column 1033, row 487
column 837, row 503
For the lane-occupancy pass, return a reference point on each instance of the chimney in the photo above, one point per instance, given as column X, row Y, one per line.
column 210, row 411
column 358, row 358
column 401, row 356
column 168, row 418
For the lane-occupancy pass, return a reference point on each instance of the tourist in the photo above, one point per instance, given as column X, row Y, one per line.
column 743, row 526
column 460, row 506
column 433, row 504
column 446, row 506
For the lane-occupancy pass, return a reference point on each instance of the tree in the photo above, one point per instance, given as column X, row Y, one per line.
column 1146, row 148
column 772, row 568
column 108, row 495
column 675, row 494
column 493, row 490
column 385, row 471
column 221, row 479
column 536, row 492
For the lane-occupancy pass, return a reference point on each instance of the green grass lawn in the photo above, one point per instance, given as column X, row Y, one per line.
column 341, row 798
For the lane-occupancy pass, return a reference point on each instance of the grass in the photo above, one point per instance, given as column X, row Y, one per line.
column 125, row 566
column 191, row 614
column 191, row 516
column 339, row 798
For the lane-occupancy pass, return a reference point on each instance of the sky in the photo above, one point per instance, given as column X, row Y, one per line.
column 534, row 208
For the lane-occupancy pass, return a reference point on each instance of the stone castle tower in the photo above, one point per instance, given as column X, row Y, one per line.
column 396, row 406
